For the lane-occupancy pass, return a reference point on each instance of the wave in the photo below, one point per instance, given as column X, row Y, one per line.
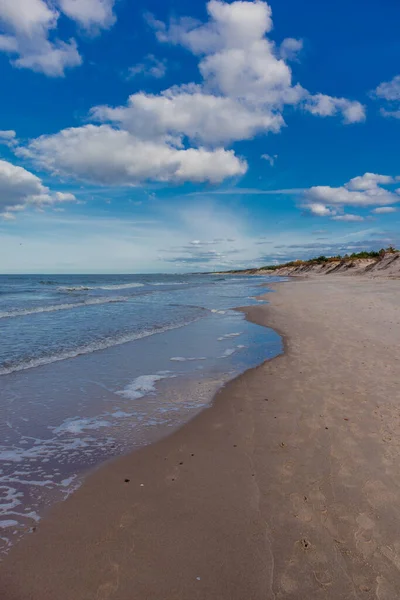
column 85, row 288
column 170, row 283
column 89, row 348
column 183, row 359
column 78, row 288
column 55, row 307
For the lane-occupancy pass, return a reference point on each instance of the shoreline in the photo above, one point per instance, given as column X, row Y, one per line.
column 285, row 487
column 67, row 417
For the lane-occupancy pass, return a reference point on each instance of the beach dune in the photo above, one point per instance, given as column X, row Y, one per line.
column 288, row 487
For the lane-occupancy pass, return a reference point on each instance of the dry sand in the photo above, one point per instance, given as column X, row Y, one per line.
column 287, row 488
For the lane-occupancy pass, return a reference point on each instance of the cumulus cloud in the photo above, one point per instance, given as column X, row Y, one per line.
column 7, row 135
column 180, row 134
column 150, row 67
column 21, row 189
column 389, row 91
column 189, row 112
column 26, row 27
column 245, row 82
column 8, row 138
column 89, row 13
column 319, row 209
column 113, row 156
column 329, row 106
column 363, row 191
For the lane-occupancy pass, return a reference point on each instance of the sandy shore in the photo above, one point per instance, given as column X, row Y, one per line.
column 288, row 487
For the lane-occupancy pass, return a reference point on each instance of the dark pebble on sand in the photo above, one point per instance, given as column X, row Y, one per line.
column 127, row 480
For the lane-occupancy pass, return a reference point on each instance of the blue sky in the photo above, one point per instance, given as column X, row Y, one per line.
column 175, row 136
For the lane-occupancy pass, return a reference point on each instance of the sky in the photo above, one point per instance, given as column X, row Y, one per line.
column 168, row 136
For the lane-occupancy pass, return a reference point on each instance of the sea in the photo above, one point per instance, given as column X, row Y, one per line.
column 94, row 366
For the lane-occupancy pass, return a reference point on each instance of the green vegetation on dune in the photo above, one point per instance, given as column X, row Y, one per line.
column 323, row 260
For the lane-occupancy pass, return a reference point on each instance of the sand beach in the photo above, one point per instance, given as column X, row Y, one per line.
column 286, row 487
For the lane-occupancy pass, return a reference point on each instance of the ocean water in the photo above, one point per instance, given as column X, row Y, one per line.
column 94, row 366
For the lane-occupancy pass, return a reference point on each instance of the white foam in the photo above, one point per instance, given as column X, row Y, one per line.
column 121, row 286
column 10, row 498
column 172, row 283
column 142, row 386
column 84, row 288
column 229, row 335
column 228, row 352
column 89, row 348
column 57, row 307
column 183, row 359
column 67, row 482
column 120, row 414
column 231, row 351
column 80, row 424
column 218, row 312
column 8, row 523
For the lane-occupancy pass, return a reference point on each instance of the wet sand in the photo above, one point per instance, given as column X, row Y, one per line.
column 287, row 487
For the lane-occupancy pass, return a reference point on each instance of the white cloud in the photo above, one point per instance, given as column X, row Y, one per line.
column 178, row 135
column 269, row 158
column 328, row 106
column 362, row 191
column 112, row 156
column 8, row 138
column 28, row 16
column 21, row 189
column 7, row 135
column 348, row 217
column 27, row 25
column 89, row 13
column 395, row 114
column 319, row 209
column 381, row 210
column 290, row 49
column 389, row 91
column 245, row 82
column 369, row 181
column 203, row 118
column 150, row 67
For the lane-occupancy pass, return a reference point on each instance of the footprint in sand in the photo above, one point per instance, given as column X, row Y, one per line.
column 303, row 510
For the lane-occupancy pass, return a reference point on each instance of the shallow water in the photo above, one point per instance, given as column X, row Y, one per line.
column 94, row 366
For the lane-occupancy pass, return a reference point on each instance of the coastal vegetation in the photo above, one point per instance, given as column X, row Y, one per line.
column 376, row 255
column 321, row 260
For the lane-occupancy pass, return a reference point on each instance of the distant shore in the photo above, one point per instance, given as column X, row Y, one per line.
column 374, row 264
column 287, row 487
